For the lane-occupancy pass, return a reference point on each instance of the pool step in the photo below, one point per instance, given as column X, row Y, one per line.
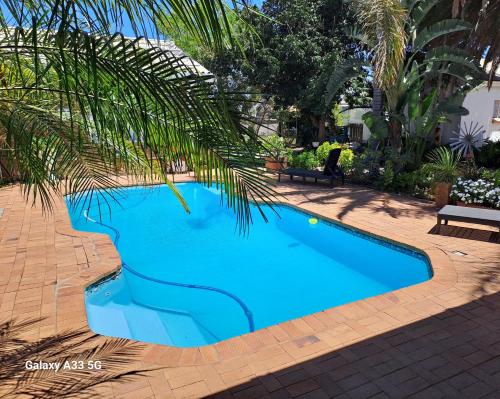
column 184, row 329
column 138, row 322
column 144, row 322
column 114, row 320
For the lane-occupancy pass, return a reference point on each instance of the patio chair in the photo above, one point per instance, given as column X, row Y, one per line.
column 331, row 171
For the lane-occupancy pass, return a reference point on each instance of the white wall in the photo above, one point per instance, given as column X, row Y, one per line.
column 355, row 116
column 480, row 103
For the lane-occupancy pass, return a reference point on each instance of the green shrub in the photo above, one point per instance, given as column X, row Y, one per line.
column 306, row 160
column 387, row 177
column 489, row 155
column 491, row 175
column 275, row 146
column 419, row 182
column 346, row 156
column 443, row 164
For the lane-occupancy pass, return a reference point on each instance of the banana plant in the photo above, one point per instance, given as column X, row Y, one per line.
column 423, row 61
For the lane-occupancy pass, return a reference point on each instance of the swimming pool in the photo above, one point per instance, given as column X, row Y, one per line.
column 189, row 280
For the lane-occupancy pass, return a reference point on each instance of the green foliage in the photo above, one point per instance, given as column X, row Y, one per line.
column 346, row 156
column 408, row 57
column 443, row 164
column 491, row 175
column 305, row 160
column 338, row 117
column 300, row 43
column 276, row 146
column 418, row 183
column 80, row 107
column 387, row 176
column 366, row 166
column 489, row 155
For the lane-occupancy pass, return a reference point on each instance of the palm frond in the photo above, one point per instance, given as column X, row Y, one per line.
column 78, row 349
column 79, row 109
column 383, row 22
column 340, row 74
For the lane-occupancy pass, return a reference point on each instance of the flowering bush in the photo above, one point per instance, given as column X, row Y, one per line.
column 481, row 192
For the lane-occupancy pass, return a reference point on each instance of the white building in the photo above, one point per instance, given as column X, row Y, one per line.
column 484, row 108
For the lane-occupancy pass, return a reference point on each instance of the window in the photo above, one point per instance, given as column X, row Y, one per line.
column 496, row 110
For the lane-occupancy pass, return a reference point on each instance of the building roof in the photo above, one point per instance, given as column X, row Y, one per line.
column 170, row 47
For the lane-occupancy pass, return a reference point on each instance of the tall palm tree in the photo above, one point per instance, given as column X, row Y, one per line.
column 81, row 104
column 399, row 41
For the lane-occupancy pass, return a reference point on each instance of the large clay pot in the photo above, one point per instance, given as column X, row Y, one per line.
column 276, row 164
column 442, row 194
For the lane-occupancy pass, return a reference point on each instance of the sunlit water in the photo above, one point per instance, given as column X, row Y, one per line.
column 281, row 270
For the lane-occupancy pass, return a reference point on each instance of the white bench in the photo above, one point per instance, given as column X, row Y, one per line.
column 488, row 217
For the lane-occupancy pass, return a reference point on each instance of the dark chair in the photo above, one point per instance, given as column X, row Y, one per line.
column 331, row 171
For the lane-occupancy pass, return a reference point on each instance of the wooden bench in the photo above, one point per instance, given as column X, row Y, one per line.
column 488, row 217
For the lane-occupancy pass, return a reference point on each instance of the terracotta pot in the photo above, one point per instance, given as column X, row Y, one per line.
column 276, row 164
column 442, row 194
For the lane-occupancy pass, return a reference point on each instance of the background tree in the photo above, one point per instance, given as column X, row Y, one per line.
column 300, row 41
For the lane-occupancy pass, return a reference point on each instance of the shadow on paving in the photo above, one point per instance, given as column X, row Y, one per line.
column 352, row 197
column 466, row 233
column 453, row 354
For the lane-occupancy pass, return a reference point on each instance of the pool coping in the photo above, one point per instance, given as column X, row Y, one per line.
column 443, row 277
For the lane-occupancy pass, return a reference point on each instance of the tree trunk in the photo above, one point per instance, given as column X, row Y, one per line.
column 322, row 129
column 395, row 134
column 377, row 101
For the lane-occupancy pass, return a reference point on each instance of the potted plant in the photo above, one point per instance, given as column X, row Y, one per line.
column 276, row 152
column 444, row 167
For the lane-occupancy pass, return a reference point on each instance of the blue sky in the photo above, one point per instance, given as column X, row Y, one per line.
column 126, row 30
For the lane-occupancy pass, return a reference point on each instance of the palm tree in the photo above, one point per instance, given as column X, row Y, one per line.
column 86, row 362
column 399, row 42
column 81, row 104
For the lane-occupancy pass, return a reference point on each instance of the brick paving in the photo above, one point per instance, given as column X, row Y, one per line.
column 437, row 339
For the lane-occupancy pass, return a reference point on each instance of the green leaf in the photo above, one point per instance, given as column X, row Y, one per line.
column 341, row 74
column 441, row 28
column 79, row 109
column 452, row 55
column 420, row 10
column 377, row 125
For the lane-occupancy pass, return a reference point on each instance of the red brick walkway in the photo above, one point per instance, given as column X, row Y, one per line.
column 437, row 339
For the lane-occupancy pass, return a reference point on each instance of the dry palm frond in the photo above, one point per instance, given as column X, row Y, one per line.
column 383, row 22
column 484, row 39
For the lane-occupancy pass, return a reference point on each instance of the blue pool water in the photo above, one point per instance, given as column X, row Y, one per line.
column 192, row 279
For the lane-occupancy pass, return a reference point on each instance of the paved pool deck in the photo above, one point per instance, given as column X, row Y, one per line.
column 437, row 339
